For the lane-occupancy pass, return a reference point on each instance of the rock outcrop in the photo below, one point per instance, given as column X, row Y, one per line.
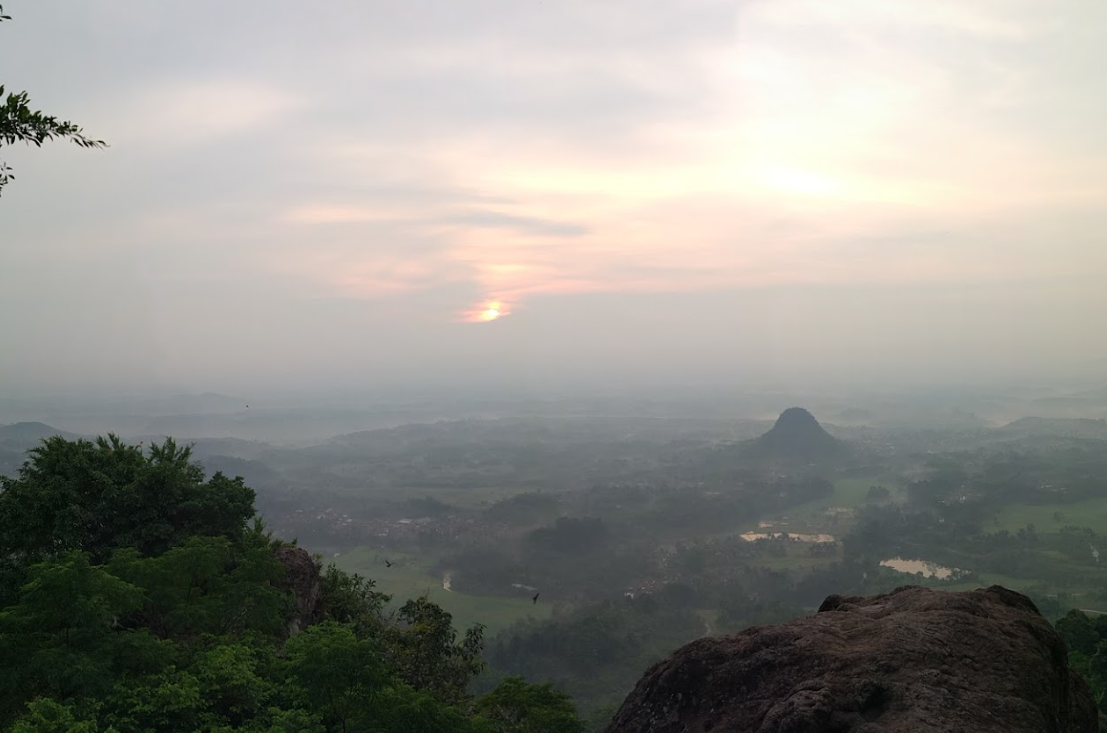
column 303, row 581
column 915, row 660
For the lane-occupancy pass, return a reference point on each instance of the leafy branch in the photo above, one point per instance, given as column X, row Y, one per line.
column 19, row 123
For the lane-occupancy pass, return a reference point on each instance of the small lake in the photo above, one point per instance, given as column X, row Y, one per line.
column 752, row 536
column 919, row 567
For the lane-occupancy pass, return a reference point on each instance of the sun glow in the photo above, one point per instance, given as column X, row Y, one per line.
column 794, row 180
column 487, row 312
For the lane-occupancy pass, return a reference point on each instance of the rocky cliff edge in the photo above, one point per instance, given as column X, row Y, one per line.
column 915, row 660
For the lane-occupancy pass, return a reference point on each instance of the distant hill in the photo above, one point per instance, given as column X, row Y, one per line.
column 29, row 433
column 208, row 403
column 18, row 438
column 1056, row 427
column 797, row 434
column 256, row 474
column 203, row 448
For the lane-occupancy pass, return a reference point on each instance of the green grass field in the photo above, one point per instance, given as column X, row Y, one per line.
column 411, row 576
column 797, row 558
column 1052, row 517
column 851, row 492
column 811, row 517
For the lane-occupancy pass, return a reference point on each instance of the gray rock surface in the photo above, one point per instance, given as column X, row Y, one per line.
column 304, row 582
column 915, row 660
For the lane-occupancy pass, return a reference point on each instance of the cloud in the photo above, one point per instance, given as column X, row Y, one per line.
column 169, row 114
column 522, row 224
column 424, row 159
column 465, row 219
column 748, row 147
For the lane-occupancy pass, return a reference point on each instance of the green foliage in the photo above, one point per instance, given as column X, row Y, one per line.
column 207, row 586
column 338, row 674
column 526, row 509
column 401, row 708
column 425, row 650
column 346, row 681
column 171, row 700
column 48, row 716
column 1086, row 638
column 57, row 640
column 517, row 707
column 139, row 601
column 19, row 123
column 296, row 720
column 351, row 600
column 596, row 652
column 575, row 535
column 232, row 680
column 878, row 493
column 98, row 496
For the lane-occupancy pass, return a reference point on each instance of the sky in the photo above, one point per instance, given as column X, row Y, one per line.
column 504, row 192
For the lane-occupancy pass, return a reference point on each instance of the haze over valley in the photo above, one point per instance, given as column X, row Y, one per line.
column 592, row 535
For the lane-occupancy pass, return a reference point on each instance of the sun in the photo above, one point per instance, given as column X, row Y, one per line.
column 491, row 310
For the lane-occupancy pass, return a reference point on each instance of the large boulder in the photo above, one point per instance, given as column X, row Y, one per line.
column 915, row 660
column 304, row 583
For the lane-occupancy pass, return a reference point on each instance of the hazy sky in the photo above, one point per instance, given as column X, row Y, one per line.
column 674, row 190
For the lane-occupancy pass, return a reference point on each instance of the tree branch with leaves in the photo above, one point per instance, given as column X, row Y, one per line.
column 19, row 123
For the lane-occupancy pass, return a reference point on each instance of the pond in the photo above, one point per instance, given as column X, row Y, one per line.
column 919, row 567
column 751, row 536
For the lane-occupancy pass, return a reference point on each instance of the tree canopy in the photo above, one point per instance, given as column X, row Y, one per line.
column 96, row 496
column 138, row 597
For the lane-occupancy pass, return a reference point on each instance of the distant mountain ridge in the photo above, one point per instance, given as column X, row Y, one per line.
column 30, row 432
column 16, row 439
column 1057, row 427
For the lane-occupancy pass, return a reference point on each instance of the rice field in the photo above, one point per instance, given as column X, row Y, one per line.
column 411, row 576
column 1052, row 517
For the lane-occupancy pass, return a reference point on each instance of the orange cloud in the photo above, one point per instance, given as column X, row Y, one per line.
column 807, row 166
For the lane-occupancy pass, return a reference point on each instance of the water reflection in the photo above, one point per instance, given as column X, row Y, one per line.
column 917, row 567
column 751, row 536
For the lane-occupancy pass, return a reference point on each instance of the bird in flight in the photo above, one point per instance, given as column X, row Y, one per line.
column 388, row 563
column 534, row 600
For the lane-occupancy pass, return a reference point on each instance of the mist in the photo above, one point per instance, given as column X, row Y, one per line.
column 721, row 193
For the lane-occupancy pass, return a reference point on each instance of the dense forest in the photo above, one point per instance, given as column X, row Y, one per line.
column 139, row 596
